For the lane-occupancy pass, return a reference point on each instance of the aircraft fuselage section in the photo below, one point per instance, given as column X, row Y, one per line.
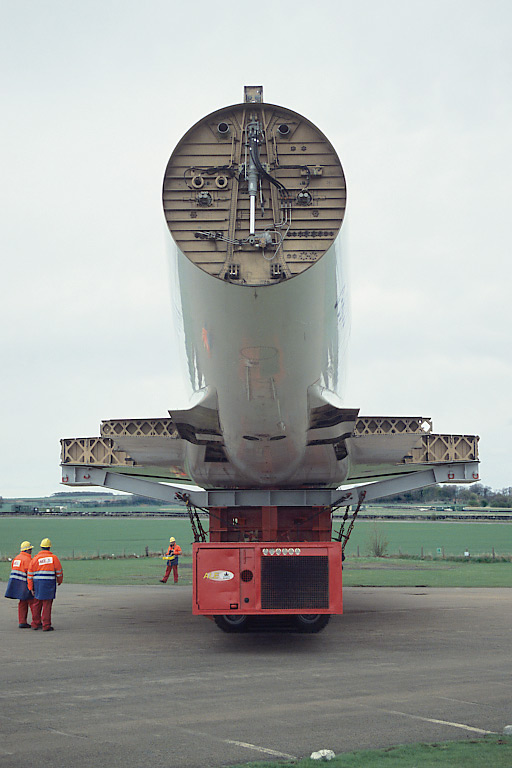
column 264, row 356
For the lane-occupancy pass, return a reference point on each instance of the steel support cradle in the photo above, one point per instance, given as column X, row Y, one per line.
column 460, row 472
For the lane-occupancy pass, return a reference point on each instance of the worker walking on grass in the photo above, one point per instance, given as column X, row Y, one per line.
column 45, row 572
column 172, row 558
column 17, row 586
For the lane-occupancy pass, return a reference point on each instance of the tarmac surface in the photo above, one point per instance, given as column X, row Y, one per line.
column 130, row 678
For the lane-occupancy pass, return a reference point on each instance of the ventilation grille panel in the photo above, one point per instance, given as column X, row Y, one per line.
column 295, row 582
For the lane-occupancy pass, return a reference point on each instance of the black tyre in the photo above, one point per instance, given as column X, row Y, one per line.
column 311, row 622
column 232, row 622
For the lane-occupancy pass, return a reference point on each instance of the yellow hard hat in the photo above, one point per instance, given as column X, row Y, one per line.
column 25, row 545
column 46, row 543
column 171, row 539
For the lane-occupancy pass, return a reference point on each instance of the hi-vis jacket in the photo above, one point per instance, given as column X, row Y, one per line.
column 17, row 587
column 44, row 573
column 172, row 554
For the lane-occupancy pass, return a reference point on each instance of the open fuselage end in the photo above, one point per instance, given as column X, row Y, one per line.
column 254, row 196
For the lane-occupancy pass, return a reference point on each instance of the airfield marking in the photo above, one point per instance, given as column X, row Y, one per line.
column 63, row 733
column 436, row 722
column 260, row 749
column 244, row 744
column 40, row 728
column 458, row 701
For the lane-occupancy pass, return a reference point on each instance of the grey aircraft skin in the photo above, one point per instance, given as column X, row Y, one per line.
column 263, row 357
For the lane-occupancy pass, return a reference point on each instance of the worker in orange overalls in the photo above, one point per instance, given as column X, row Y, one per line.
column 172, row 558
column 44, row 573
column 17, row 587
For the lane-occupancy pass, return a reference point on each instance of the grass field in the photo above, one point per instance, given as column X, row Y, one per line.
column 454, row 538
column 395, row 572
column 85, row 536
column 143, row 570
column 365, row 572
column 104, row 537
column 495, row 751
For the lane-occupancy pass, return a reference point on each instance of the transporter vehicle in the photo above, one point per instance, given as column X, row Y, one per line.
column 254, row 197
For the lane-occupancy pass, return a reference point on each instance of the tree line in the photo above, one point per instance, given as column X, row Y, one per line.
column 477, row 495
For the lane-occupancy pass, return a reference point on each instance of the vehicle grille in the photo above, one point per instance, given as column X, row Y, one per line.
column 295, row 582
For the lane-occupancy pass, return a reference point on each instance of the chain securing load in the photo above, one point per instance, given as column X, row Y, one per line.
column 193, row 513
column 342, row 536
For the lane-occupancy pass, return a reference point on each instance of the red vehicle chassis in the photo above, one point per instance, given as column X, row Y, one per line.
column 257, row 578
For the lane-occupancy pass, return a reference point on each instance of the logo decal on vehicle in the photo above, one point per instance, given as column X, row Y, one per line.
column 219, row 575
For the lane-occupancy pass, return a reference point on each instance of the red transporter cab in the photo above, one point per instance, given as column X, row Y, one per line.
column 268, row 561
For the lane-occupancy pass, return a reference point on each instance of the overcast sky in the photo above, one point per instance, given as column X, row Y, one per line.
column 416, row 98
